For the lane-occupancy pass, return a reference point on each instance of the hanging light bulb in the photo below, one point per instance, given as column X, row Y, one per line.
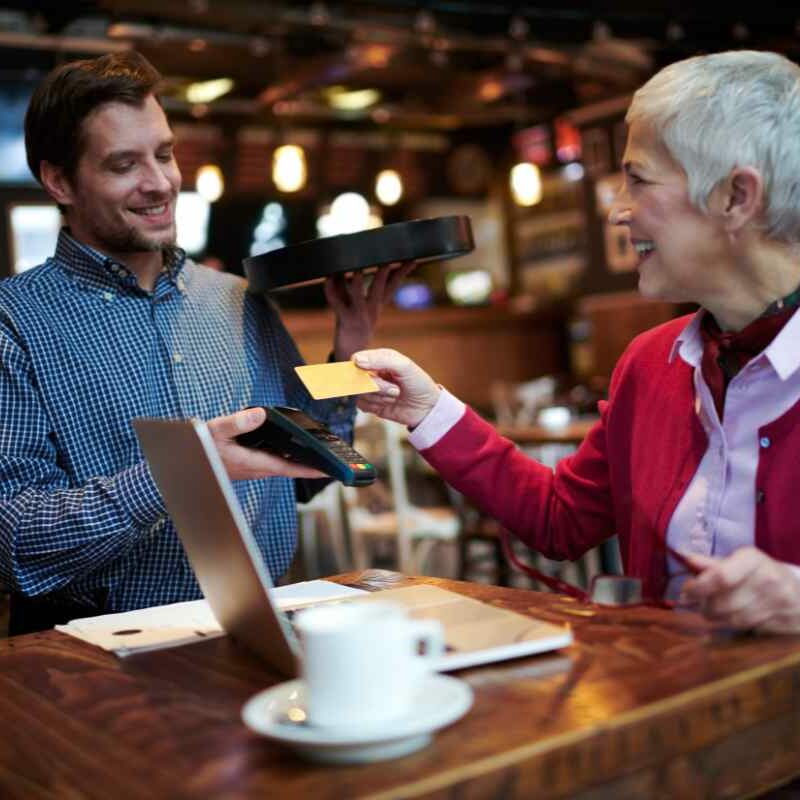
column 289, row 168
column 351, row 210
column 526, row 184
column 209, row 182
column 388, row 187
column 348, row 213
column 208, row 91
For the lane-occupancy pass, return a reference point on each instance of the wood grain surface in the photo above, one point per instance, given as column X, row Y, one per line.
column 572, row 433
column 647, row 703
column 465, row 349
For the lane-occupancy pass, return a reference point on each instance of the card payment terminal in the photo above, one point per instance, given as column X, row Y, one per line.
column 293, row 435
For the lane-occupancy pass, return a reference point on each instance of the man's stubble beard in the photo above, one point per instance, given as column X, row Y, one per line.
column 133, row 241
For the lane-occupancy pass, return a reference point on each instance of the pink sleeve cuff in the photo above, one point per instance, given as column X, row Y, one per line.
column 440, row 419
column 794, row 569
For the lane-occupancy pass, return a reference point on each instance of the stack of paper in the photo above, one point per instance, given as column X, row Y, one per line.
column 180, row 623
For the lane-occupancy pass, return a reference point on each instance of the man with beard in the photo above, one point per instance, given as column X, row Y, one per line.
column 120, row 324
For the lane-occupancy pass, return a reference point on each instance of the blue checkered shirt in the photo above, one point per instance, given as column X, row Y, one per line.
column 83, row 351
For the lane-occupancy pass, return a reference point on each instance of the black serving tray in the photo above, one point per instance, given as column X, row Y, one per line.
column 308, row 262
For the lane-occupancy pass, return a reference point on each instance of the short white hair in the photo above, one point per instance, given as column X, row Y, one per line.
column 733, row 109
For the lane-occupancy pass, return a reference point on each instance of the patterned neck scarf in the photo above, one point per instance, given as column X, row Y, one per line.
column 726, row 352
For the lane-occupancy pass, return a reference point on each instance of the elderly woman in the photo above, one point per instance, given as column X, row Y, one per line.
column 698, row 445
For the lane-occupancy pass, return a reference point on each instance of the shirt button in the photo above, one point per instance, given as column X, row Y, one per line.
column 177, row 358
column 765, row 441
column 108, row 296
column 760, row 496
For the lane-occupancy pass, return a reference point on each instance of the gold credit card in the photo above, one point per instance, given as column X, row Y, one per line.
column 337, row 379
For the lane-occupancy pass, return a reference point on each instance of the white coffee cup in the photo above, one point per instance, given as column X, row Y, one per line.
column 362, row 662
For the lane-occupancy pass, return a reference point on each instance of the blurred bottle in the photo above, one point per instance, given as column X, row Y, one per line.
column 581, row 356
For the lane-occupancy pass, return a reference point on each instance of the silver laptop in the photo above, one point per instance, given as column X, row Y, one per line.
column 230, row 570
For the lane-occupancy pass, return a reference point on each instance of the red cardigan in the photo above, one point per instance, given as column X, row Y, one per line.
column 628, row 475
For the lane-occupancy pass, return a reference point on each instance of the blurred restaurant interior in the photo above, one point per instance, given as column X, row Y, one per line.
column 303, row 119
column 299, row 119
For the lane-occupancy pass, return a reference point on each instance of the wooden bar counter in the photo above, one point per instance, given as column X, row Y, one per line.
column 573, row 432
column 464, row 349
column 647, row 703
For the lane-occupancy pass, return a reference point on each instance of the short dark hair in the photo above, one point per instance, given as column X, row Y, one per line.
column 60, row 104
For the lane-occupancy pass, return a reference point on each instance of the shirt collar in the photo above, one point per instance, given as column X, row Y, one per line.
column 96, row 270
column 689, row 343
column 782, row 352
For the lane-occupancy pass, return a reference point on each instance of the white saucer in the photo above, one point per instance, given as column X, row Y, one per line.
column 439, row 701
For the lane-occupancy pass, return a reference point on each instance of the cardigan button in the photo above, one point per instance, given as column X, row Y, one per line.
column 765, row 441
column 760, row 496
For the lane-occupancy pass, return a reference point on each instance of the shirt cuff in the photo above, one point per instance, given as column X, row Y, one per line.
column 794, row 569
column 138, row 493
column 439, row 420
